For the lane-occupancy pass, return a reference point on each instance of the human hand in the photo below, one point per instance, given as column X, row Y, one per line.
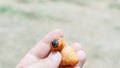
column 40, row 56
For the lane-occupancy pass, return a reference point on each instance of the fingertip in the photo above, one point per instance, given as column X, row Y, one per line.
column 77, row 46
column 57, row 33
column 58, row 30
column 77, row 67
column 55, row 58
column 82, row 57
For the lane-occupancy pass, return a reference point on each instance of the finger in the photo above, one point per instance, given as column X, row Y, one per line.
column 55, row 34
column 81, row 54
column 55, row 58
column 52, row 61
column 76, row 46
column 41, row 50
column 72, row 67
column 82, row 58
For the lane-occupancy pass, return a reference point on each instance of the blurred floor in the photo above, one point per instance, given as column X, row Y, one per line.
column 93, row 23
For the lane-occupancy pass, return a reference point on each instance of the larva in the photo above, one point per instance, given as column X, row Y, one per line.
column 69, row 56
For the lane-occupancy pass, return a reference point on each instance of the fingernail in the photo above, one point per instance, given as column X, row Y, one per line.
column 77, row 67
column 56, row 55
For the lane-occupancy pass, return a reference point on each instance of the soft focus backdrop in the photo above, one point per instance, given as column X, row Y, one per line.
column 93, row 23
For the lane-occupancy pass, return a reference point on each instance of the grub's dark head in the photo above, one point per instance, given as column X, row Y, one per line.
column 55, row 43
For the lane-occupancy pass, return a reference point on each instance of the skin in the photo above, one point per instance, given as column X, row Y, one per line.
column 40, row 56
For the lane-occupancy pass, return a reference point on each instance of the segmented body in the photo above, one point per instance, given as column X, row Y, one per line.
column 69, row 56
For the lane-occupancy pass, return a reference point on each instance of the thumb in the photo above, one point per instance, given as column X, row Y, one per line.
column 52, row 61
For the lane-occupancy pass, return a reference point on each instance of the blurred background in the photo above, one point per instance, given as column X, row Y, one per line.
column 93, row 23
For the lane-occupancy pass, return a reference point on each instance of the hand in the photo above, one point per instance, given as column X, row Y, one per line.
column 40, row 56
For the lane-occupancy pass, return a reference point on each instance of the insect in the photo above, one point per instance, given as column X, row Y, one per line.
column 69, row 56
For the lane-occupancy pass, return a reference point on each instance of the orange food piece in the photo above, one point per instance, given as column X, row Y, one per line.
column 69, row 56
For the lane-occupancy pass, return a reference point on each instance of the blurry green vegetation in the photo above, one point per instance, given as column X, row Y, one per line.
column 23, row 1
column 5, row 9
column 115, row 5
column 80, row 2
column 30, row 15
column 10, row 10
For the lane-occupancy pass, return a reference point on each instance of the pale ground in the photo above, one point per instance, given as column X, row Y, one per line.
column 93, row 23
